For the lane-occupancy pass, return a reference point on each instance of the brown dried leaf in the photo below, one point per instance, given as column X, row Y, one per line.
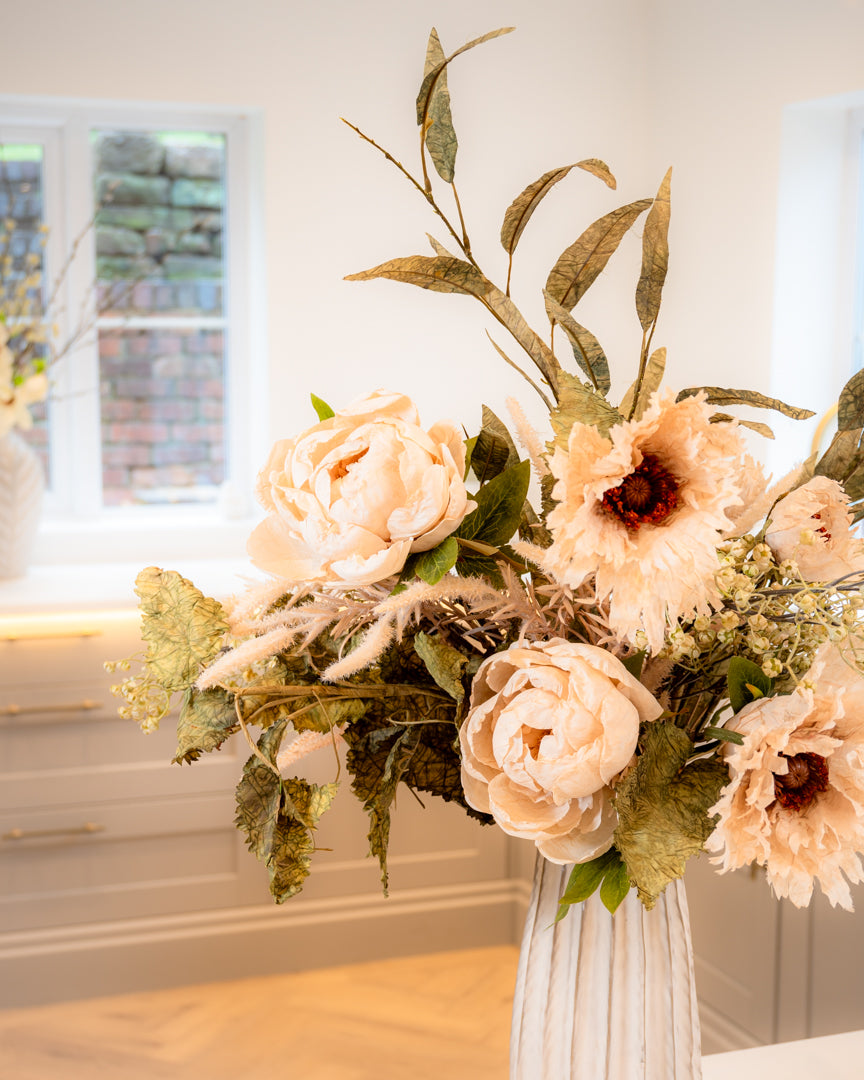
column 655, row 256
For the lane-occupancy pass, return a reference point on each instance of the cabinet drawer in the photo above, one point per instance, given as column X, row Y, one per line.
column 74, row 654
column 126, row 859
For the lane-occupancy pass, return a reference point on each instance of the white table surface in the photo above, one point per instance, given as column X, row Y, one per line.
column 831, row 1057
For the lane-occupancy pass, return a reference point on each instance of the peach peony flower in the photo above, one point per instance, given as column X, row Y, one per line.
column 351, row 497
column 550, row 727
column 643, row 510
column 795, row 801
column 812, row 526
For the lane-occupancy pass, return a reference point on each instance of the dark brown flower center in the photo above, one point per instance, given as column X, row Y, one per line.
column 647, row 496
column 807, row 777
column 340, row 468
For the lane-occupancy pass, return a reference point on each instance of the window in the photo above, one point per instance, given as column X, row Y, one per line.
column 148, row 419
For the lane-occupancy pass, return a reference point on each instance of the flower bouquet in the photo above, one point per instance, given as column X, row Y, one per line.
column 614, row 638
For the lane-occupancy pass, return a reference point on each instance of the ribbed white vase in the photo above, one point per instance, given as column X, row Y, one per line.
column 21, row 488
column 602, row 997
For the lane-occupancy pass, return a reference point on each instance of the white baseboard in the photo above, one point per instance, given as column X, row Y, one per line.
column 98, row 959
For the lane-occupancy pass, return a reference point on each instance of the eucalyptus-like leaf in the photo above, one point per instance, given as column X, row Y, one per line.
column 433, row 75
column 523, row 206
column 850, row 404
column 579, row 266
column 439, row 133
column 511, row 317
column 512, row 363
column 321, row 407
column 651, row 380
column 655, row 256
column 753, row 425
column 586, row 348
column 445, row 664
column 494, row 450
column 579, row 404
column 718, row 395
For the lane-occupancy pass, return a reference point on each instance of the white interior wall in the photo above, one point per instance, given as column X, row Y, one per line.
column 641, row 83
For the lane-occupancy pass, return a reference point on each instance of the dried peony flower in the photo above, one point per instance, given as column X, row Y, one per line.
column 351, row 497
column 795, row 801
column 550, row 727
column 812, row 527
column 643, row 510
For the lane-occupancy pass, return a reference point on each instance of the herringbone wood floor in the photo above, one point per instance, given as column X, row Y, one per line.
column 439, row 1017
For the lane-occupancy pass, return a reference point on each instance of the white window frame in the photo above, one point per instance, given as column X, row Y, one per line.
column 77, row 528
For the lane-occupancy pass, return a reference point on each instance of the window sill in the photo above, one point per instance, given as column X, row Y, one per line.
column 109, row 586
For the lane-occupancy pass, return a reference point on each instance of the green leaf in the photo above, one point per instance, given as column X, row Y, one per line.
column 580, row 264
column 746, row 681
column 635, row 663
column 662, row 806
column 584, row 880
column 717, row 395
column 378, row 800
column 615, row 886
column 523, row 206
column 445, row 664
column 432, row 565
column 723, row 735
column 259, row 796
column 433, row 75
column 469, row 454
column 207, row 718
column 651, row 380
column 494, row 449
column 655, row 256
column 579, row 404
column 321, row 407
column 586, row 348
column 499, row 507
column 182, row 627
column 440, row 134
column 850, row 404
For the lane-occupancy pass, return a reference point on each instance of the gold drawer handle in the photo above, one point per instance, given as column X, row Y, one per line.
column 87, row 829
column 87, row 705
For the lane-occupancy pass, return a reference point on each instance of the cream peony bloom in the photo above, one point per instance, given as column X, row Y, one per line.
column 795, row 801
column 812, row 526
column 551, row 725
column 644, row 510
column 353, row 496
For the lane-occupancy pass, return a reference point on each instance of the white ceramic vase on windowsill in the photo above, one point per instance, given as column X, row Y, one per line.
column 21, row 489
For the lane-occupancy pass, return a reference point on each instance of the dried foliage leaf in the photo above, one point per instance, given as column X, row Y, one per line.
column 182, row 627
column 439, row 248
column 494, row 450
column 586, row 348
column 662, row 806
column 445, row 664
column 655, row 256
column 510, row 316
column 519, row 212
column 578, row 267
column 432, row 76
column 579, row 404
column 850, row 404
column 717, row 395
column 753, row 425
column 207, row 718
column 651, row 381
column 439, row 273
column 439, row 133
